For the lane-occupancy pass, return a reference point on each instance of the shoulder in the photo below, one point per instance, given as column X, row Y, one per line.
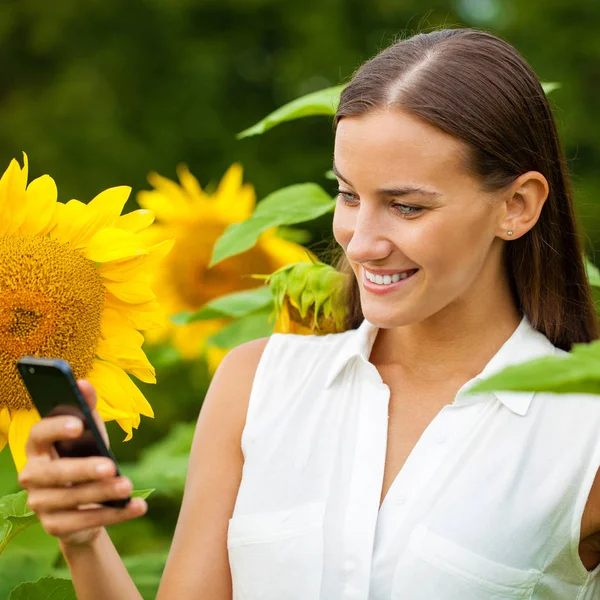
column 281, row 348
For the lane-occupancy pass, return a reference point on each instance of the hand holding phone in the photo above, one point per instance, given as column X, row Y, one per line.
column 61, row 473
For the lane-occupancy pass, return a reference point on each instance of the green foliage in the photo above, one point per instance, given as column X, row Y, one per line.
column 250, row 327
column 14, row 517
column 231, row 306
column 164, row 464
column 29, row 556
column 323, row 102
column 287, row 206
column 46, row 588
column 574, row 373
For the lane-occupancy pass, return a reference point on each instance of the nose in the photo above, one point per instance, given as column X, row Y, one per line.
column 368, row 242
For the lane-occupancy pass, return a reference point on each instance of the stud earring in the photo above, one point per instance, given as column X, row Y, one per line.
column 509, row 233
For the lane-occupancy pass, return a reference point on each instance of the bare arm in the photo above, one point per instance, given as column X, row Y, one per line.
column 589, row 547
column 198, row 565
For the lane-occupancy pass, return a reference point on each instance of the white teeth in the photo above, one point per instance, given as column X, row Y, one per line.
column 385, row 279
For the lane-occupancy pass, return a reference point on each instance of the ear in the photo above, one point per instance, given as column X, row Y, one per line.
column 522, row 205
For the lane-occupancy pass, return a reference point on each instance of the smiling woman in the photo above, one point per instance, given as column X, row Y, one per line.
column 355, row 465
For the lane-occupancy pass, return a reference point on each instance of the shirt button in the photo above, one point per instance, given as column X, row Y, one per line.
column 440, row 438
column 401, row 499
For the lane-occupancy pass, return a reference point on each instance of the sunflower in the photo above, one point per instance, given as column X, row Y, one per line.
column 309, row 299
column 74, row 284
column 196, row 219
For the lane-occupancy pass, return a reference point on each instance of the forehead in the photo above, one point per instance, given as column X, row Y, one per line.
column 394, row 145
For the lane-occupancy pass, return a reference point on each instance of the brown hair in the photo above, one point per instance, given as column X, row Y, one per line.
column 479, row 89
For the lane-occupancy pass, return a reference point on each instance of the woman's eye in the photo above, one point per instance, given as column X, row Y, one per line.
column 403, row 209
column 406, row 210
column 346, row 197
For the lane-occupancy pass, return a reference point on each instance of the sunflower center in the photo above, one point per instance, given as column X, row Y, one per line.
column 51, row 302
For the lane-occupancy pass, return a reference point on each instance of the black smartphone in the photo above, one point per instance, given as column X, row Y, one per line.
column 53, row 391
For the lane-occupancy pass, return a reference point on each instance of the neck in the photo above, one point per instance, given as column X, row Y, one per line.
column 453, row 345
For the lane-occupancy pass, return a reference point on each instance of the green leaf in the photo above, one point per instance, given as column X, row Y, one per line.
column 163, row 466
column 8, row 474
column 142, row 493
column 593, row 273
column 550, row 86
column 291, row 234
column 29, row 556
column 287, row 206
column 232, row 306
column 322, row 102
column 250, row 327
column 46, row 588
column 14, row 517
column 330, row 175
column 575, row 373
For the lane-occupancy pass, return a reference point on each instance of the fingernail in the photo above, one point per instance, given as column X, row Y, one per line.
column 73, row 425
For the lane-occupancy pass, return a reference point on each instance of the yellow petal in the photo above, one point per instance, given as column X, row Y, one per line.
column 124, row 349
column 190, row 340
column 124, row 270
column 168, row 200
column 233, row 201
column 111, row 202
column 18, row 433
column 282, row 252
column 105, row 410
column 72, row 219
column 119, row 391
column 78, row 223
column 13, row 198
column 189, row 183
column 114, row 244
column 42, row 196
column 133, row 291
column 136, row 220
column 4, row 425
column 108, row 387
column 139, row 316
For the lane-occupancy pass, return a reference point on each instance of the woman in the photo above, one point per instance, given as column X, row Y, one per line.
column 355, row 465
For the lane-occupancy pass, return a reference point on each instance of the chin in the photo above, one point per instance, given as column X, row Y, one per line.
column 388, row 319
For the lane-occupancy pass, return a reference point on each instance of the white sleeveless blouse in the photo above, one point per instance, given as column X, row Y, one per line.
column 488, row 505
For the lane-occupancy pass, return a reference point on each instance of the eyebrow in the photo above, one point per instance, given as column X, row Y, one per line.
column 401, row 191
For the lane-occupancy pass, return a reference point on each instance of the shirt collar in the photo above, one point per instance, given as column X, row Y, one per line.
column 524, row 344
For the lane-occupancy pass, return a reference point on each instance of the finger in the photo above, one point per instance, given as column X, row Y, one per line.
column 65, row 471
column 49, row 430
column 89, row 393
column 46, row 500
column 70, row 521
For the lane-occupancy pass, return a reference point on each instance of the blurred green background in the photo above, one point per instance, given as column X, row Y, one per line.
column 101, row 92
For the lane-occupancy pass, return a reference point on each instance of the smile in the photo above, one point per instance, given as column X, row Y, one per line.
column 388, row 279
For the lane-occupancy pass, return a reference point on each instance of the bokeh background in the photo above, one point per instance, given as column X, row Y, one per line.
column 102, row 92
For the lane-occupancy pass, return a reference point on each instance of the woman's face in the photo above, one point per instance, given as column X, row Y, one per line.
column 408, row 206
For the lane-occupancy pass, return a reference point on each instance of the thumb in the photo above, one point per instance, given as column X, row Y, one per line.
column 89, row 394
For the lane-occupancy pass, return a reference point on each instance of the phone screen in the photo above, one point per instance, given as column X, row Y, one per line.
column 53, row 395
